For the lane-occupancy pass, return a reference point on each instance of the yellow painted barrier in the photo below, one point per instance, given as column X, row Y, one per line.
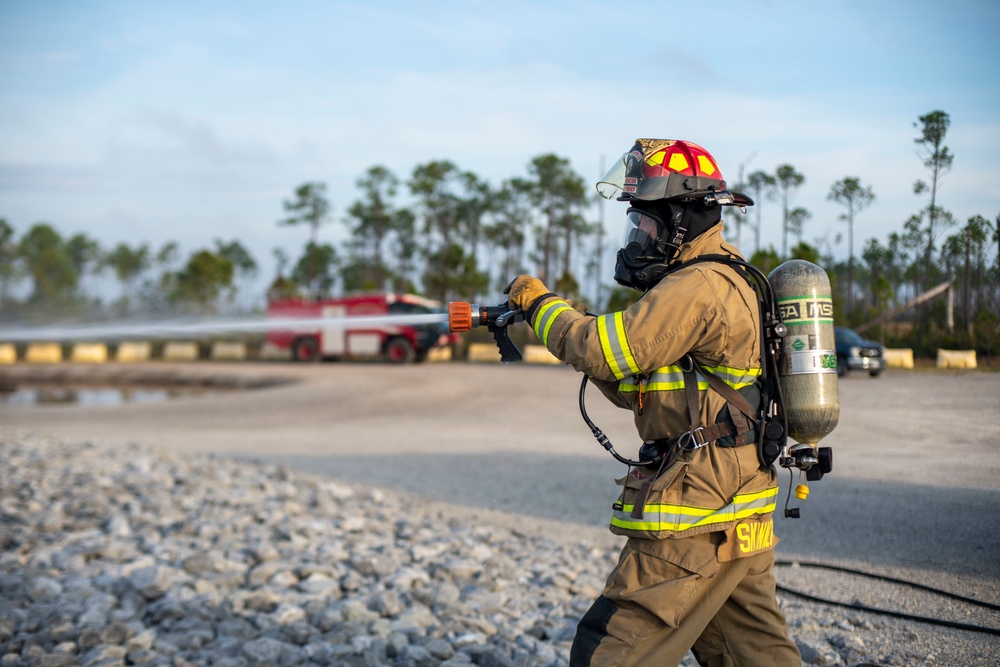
column 439, row 354
column 43, row 353
column 180, row 351
column 134, row 351
column 483, row 352
column 89, row 353
column 956, row 359
column 8, row 353
column 539, row 354
column 899, row 358
column 271, row 351
column 229, row 351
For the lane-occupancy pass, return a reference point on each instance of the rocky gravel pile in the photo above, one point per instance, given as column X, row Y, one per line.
column 135, row 557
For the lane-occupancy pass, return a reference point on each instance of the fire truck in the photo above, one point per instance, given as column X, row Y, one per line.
column 397, row 343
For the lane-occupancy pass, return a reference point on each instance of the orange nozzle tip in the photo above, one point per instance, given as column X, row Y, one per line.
column 459, row 316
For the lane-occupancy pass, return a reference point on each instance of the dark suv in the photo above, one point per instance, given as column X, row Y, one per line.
column 856, row 353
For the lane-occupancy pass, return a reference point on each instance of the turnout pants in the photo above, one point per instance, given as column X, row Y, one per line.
column 668, row 596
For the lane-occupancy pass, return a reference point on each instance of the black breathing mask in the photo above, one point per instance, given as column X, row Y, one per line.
column 649, row 243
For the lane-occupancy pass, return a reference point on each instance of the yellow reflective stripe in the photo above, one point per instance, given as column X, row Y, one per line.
column 677, row 518
column 614, row 344
column 671, row 378
column 737, row 378
column 546, row 316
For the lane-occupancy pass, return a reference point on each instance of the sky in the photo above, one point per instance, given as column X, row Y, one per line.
column 145, row 122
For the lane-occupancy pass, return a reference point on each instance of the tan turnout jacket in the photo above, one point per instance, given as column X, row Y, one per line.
column 711, row 312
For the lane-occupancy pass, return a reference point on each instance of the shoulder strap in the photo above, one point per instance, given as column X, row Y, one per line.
column 740, row 410
column 727, row 392
column 732, row 262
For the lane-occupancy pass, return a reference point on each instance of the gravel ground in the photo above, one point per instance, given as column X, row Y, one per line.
column 136, row 556
column 342, row 515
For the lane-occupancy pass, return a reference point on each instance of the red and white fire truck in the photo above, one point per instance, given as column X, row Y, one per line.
column 395, row 342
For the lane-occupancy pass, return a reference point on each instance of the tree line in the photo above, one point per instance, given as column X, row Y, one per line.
column 457, row 237
column 447, row 233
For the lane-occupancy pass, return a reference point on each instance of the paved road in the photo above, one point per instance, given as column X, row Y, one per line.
column 915, row 489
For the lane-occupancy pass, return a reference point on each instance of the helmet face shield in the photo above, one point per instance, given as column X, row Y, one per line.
column 623, row 177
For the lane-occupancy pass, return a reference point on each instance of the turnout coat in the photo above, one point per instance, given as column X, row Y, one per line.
column 707, row 310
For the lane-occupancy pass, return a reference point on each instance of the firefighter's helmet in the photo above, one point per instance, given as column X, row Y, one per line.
column 675, row 189
column 672, row 170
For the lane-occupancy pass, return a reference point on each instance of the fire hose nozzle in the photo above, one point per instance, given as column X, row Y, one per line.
column 463, row 316
column 460, row 316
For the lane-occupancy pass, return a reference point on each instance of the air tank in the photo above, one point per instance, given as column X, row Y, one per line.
column 807, row 368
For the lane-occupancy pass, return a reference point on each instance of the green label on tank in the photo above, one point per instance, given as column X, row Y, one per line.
column 809, row 361
column 800, row 309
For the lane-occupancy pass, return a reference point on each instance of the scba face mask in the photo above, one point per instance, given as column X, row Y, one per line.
column 643, row 249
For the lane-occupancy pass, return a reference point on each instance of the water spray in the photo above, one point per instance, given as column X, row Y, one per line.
column 192, row 328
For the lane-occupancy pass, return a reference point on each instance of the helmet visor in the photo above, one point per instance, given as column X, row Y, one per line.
column 623, row 177
column 641, row 228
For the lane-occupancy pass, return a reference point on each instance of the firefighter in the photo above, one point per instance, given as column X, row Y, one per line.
column 695, row 572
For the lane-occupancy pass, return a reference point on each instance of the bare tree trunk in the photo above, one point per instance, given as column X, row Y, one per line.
column 850, row 260
column 547, row 246
column 965, row 284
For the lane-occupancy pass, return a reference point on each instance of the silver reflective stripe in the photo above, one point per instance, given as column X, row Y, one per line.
column 614, row 344
column 547, row 314
column 671, row 378
column 735, row 377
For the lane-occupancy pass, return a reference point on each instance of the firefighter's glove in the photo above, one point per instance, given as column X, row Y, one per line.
column 523, row 291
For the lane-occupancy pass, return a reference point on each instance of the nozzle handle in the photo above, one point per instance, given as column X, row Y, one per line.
column 498, row 318
column 508, row 350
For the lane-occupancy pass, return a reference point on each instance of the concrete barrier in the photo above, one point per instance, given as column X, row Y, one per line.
column 89, row 353
column 436, row 354
column 956, row 359
column 539, row 354
column 228, row 351
column 269, row 351
column 483, row 352
column 134, row 351
column 899, row 358
column 180, row 351
column 43, row 353
column 8, row 353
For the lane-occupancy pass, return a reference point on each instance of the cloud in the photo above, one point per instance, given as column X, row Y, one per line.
column 198, row 123
column 156, row 143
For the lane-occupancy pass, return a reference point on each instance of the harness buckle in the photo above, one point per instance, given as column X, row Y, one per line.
column 686, row 363
column 692, row 440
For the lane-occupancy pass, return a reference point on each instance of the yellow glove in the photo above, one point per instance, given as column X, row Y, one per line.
column 523, row 291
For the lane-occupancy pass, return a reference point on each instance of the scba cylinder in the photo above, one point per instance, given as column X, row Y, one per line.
column 807, row 369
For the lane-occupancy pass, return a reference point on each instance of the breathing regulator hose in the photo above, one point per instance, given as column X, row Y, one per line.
column 599, row 434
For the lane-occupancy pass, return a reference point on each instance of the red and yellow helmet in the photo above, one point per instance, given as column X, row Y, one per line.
column 669, row 169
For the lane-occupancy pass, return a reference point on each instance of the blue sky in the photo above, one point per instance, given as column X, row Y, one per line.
column 192, row 121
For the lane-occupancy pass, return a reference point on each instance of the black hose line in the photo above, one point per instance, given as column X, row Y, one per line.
column 889, row 612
